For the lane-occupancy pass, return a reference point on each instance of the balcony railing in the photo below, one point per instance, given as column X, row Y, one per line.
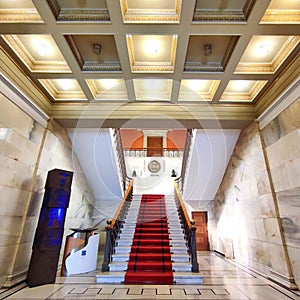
column 157, row 152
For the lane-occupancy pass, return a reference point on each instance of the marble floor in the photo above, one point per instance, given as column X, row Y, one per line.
column 223, row 279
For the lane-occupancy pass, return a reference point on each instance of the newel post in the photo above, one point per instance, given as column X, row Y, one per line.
column 108, row 247
column 195, row 265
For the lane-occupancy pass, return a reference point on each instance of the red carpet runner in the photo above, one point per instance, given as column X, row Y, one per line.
column 150, row 257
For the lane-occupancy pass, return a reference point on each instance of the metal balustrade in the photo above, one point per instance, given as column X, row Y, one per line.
column 189, row 228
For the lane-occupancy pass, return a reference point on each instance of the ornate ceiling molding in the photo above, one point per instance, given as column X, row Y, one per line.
column 20, row 16
column 153, row 16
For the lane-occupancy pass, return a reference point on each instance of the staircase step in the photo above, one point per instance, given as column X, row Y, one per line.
column 124, row 257
column 177, row 267
column 178, row 277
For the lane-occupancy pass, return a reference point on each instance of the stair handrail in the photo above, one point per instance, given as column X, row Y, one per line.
column 189, row 228
column 121, row 159
column 186, row 153
column 114, row 227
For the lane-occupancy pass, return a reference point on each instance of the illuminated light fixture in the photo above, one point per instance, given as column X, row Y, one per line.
column 240, row 85
column 207, row 50
column 43, row 49
column 195, row 84
column 263, row 49
column 108, row 83
column 66, row 84
column 152, row 47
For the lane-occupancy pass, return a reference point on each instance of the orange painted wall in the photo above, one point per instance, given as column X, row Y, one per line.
column 176, row 139
column 132, row 139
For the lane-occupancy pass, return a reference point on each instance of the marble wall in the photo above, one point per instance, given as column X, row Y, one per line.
column 247, row 226
column 27, row 152
column 282, row 142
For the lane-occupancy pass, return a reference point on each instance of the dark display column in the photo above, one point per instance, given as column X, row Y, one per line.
column 50, row 228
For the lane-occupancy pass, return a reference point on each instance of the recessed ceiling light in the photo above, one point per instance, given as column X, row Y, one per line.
column 194, row 84
column 66, row 84
column 43, row 49
column 240, row 85
column 152, row 46
column 263, row 49
column 108, row 83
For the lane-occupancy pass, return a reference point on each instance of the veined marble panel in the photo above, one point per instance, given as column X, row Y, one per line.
column 245, row 208
column 286, row 122
column 263, row 183
column 272, row 231
column 285, row 149
column 14, row 118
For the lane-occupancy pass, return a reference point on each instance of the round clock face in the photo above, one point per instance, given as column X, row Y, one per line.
column 154, row 166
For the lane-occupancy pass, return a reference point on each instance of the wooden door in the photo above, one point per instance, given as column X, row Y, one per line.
column 200, row 218
column 154, row 146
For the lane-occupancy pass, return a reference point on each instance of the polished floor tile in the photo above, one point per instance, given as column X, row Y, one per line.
column 222, row 280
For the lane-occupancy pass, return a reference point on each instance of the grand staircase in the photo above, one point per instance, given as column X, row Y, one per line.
column 151, row 247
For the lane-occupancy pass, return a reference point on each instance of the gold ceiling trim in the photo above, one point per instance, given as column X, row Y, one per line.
column 200, row 67
column 30, row 62
column 246, row 96
column 229, row 16
column 61, row 95
column 103, row 67
column 276, row 16
column 20, row 16
column 271, row 68
column 151, row 15
column 75, row 15
column 78, row 15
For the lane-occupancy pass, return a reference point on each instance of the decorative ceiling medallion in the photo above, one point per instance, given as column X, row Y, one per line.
column 209, row 53
column 273, row 64
column 63, row 89
column 149, row 12
column 242, row 90
column 147, row 59
column 238, row 13
column 20, row 16
column 154, row 166
column 29, row 49
column 106, row 60
column 78, row 14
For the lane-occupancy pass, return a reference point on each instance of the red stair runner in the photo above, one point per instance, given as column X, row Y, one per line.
column 150, row 257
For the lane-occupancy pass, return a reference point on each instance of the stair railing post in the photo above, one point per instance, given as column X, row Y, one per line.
column 108, row 247
column 193, row 249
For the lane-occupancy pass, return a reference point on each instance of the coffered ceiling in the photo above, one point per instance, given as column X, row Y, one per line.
column 119, row 60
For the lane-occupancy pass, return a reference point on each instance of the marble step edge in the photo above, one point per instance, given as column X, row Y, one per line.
column 178, row 277
column 174, row 247
column 176, row 267
column 123, row 257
